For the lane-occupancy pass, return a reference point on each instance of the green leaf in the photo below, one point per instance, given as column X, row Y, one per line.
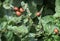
column 47, row 19
column 29, row 39
column 25, row 20
column 31, row 35
column 48, row 24
column 8, row 4
column 9, row 36
column 20, row 31
column 0, row 37
column 3, row 26
column 57, row 8
column 0, row 3
column 56, row 37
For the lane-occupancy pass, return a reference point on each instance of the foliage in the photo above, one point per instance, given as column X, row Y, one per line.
column 29, row 26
